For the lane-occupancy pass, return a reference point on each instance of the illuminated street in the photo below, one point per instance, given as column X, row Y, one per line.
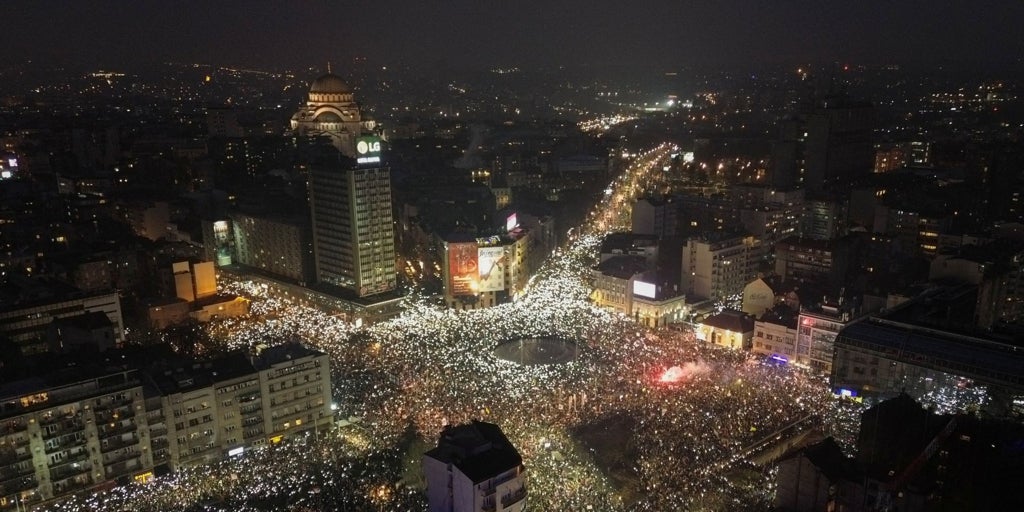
column 616, row 429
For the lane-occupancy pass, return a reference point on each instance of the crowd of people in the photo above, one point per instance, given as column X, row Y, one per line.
column 680, row 444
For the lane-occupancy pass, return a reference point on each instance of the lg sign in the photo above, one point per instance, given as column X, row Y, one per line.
column 365, row 147
column 368, row 150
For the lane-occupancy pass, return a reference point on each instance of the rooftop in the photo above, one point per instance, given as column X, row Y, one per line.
column 479, row 450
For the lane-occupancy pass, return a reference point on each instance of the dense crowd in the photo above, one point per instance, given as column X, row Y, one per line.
column 603, row 432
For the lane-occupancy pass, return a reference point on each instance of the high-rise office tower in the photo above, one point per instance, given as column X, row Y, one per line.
column 353, row 228
column 825, row 145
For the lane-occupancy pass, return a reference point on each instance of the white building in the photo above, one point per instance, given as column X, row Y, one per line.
column 70, row 430
column 716, row 266
column 474, row 469
column 484, row 272
column 817, row 334
column 775, row 336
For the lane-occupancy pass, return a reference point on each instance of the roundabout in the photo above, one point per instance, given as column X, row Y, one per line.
column 537, row 351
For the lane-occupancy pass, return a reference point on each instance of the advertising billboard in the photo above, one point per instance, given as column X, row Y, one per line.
column 511, row 222
column 644, row 289
column 368, row 150
column 222, row 243
column 492, row 269
column 463, row 270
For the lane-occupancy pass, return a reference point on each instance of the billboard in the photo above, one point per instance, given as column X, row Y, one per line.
column 511, row 222
column 463, row 270
column 492, row 269
column 644, row 289
column 368, row 150
column 222, row 242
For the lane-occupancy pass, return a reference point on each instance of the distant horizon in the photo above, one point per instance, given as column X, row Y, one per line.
column 342, row 67
column 730, row 34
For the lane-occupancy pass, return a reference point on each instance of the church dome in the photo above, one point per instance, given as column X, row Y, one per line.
column 329, row 84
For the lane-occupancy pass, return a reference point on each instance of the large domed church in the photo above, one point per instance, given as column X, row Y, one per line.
column 331, row 110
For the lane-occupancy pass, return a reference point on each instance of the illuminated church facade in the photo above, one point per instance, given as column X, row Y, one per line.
column 331, row 111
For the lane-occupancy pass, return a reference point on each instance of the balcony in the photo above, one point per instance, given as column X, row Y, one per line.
column 114, row 443
column 71, row 458
column 113, row 429
column 105, row 404
column 122, row 457
column 65, row 442
column 16, row 471
column 71, row 485
column 62, row 427
column 13, row 456
column 119, row 413
column 68, row 469
column 13, row 427
column 513, row 498
column 18, row 484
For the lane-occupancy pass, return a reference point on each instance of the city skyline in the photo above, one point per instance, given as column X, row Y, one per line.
column 661, row 33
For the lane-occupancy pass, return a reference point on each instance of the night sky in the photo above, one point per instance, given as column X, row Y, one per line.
column 512, row 32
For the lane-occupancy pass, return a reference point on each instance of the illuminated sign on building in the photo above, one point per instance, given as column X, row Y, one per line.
column 644, row 289
column 463, row 268
column 368, row 150
column 492, row 269
column 511, row 222
column 222, row 242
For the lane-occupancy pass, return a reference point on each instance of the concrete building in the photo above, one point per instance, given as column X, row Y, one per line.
column 818, row 328
column 614, row 281
column 818, row 477
column 222, row 121
column 280, row 246
column 69, row 431
column 719, row 265
column 805, row 260
column 626, row 284
column 837, row 144
column 997, row 268
column 775, row 336
column 917, row 348
column 30, row 305
column 729, row 329
column 657, row 306
column 295, row 387
column 655, row 216
column 194, row 280
column 823, row 218
column 481, row 272
column 474, row 469
column 353, row 228
column 85, row 426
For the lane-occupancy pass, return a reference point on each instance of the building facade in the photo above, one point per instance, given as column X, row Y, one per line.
column 353, row 228
column 280, row 246
column 816, row 335
column 31, row 310
column 475, row 469
column 82, row 428
column 485, row 272
column 715, row 266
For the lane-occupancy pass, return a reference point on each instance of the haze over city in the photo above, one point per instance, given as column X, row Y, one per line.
column 486, row 256
column 460, row 33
